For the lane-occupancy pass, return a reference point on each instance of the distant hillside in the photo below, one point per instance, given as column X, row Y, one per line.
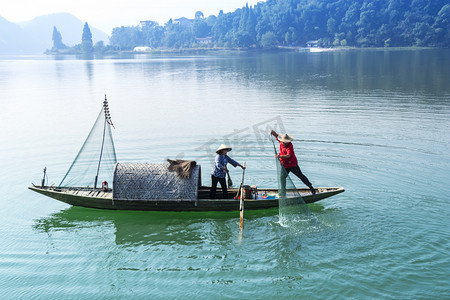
column 35, row 36
column 13, row 39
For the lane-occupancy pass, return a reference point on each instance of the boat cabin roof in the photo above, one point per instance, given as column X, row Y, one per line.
column 144, row 181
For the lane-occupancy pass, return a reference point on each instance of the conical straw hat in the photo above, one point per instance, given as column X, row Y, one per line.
column 223, row 147
column 286, row 138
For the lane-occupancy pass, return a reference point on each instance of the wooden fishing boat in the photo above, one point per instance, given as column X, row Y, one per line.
column 154, row 186
column 97, row 198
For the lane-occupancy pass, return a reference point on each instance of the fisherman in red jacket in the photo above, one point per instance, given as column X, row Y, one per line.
column 289, row 161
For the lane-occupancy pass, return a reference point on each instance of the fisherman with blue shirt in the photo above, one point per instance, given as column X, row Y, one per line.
column 220, row 171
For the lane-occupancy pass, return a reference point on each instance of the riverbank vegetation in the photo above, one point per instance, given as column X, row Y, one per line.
column 368, row 23
column 297, row 23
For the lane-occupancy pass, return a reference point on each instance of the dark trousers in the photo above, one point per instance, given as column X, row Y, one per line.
column 223, row 183
column 296, row 170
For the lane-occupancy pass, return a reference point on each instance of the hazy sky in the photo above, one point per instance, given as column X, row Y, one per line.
column 107, row 14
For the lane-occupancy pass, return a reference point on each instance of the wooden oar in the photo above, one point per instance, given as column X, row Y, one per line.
column 241, row 205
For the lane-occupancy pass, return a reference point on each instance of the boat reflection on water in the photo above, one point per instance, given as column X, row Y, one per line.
column 150, row 228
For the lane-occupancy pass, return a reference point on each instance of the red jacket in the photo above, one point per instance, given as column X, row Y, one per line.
column 289, row 150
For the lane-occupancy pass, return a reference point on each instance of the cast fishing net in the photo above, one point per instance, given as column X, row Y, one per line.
column 292, row 207
column 95, row 161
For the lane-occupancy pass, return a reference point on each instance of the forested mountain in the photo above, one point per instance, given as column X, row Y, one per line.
column 366, row 23
column 35, row 36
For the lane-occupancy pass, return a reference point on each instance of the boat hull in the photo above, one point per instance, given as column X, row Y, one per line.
column 104, row 200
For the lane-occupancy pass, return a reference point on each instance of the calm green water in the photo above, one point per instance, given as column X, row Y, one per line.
column 375, row 122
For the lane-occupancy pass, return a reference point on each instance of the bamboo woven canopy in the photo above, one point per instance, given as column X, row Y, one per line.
column 147, row 181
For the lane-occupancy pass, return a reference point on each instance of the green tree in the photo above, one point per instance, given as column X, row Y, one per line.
column 268, row 40
column 178, row 36
column 57, row 40
column 263, row 23
column 331, row 26
column 200, row 28
column 348, row 24
column 152, row 35
column 441, row 27
column 211, row 20
column 221, row 27
column 99, row 46
column 126, row 38
column 242, row 39
column 86, row 40
column 288, row 38
column 199, row 15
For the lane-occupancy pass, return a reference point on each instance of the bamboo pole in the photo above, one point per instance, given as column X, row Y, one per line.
column 241, row 206
column 241, row 210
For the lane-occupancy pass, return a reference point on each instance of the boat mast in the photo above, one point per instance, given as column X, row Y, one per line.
column 107, row 121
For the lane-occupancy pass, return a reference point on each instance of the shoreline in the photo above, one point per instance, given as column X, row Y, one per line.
column 200, row 51
column 233, row 50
